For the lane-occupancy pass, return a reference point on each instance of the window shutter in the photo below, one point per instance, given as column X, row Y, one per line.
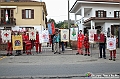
column 112, row 29
column 3, row 13
column 11, row 13
column 114, row 14
column 23, row 14
column 96, row 13
column 104, row 13
column 32, row 14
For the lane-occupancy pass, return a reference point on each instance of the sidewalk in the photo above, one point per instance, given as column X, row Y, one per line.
column 69, row 55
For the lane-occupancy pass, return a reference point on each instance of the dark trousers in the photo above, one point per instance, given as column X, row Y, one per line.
column 52, row 46
column 102, row 47
column 62, row 44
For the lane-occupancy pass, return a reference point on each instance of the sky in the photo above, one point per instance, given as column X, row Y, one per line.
column 58, row 9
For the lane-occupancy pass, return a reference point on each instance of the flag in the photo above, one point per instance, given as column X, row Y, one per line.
column 6, row 16
column 53, row 28
column 49, row 28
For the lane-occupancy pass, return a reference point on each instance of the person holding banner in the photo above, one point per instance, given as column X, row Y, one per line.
column 113, row 52
column 86, row 45
column 80, row 41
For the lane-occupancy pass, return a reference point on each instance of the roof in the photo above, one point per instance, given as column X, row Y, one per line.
column 112, row 1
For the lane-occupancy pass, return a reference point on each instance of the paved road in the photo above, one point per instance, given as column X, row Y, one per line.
column 48, row 65
column 57, row 65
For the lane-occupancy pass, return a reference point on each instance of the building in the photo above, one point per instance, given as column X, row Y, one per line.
column 103, row 15
column 23, row 14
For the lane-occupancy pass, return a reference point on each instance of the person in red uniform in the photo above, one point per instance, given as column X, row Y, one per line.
column 86, row 45
column 25, row 38
column 113, row 52
column 37, row 42
column 80, row 40
column 9, row 48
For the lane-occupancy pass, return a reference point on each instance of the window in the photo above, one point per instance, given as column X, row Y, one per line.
column 117, row 14
column 43, row 15
column 100, row 13
column 28, row 14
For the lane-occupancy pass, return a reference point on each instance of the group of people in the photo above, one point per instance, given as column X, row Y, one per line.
column 83, row 42
column 26, row 41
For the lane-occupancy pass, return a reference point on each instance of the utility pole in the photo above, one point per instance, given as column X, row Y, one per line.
column 68, row 16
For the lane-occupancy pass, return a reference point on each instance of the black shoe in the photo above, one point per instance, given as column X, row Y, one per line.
column 77, row 53
column 52, row 50
column 55, row 52
column 104, row 57
column 59, row 53
column 81, row 54
column 7, row 54
column 114, row 59
column 110, row 58
column 88, row 54
column 100, row 57
column 85, row 54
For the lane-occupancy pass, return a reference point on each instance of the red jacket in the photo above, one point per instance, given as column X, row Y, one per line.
column 80, row 40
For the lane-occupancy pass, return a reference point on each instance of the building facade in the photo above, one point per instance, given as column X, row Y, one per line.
column 103, row 15
column 23, row 14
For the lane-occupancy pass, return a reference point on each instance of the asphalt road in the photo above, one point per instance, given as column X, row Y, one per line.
column 58, row 70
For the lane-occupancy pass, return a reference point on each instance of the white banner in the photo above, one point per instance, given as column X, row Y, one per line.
column 32, row 34
column 111, row 43
column 73, row 34
column 6, row 35
column 65, row 35
column 45, row 36
column 91, row 35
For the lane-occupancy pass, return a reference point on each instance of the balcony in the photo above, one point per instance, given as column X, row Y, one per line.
column 9, row 23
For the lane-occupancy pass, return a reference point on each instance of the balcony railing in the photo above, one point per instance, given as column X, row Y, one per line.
column 10, row 22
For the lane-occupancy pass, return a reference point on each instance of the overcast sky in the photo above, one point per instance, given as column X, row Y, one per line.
column 58, row 9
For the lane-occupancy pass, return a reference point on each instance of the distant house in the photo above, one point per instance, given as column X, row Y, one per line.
column 103, row 15
column 23, row 13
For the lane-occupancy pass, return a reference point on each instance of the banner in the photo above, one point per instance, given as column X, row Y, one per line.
column 49, row 28
column 6, row 35
column 111, row 43
column 99, row 38
column 32, row 34
column 65, row 35
column 45, row 36
column 73, row 34
column 17, row 42
column 91, row 35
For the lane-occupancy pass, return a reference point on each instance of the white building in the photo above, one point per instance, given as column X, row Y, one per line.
column 99, row 14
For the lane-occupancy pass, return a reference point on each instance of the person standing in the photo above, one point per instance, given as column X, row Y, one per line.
column 86, row 45
column 61, row 43
column 102, row 45
column 37, row 42
column 113, row 52
column 56, row 43
column 52, row 42
column 80, row 41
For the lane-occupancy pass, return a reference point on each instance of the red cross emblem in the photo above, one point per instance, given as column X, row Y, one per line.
column 6, row 34
column 91, row 36
column 111, row 43
column 32, row 33
column 44, row 36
